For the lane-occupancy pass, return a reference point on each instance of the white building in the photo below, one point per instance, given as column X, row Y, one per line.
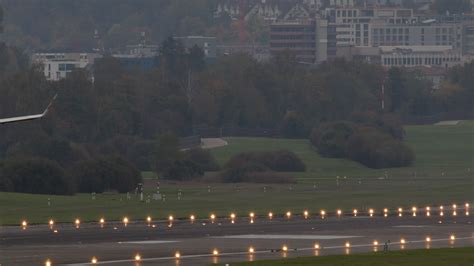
column 411, row 56
column 57, row 66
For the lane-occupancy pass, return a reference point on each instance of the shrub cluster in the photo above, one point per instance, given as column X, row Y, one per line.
column 378, row 150
column 262, row 167
column 254, row 173
column 105, row 173
column 183, row 170
column 280, row 161
column 35, row 175
column 387, row 123
column 203, row 158
column 331, row 138
column 138, row 151
column 372, row 140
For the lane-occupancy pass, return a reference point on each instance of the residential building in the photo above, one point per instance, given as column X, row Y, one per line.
column 57, row 66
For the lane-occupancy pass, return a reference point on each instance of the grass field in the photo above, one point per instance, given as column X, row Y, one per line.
column 438, row 149
column 443, row 175
column 430, row 257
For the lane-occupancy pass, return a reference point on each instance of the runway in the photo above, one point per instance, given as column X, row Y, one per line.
column 158, row 242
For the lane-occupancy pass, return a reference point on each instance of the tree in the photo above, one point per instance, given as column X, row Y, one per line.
column 374, row 149
column 105, row 173
column 36, row 176
column 166, row 152
column 331, row 138
column 183, row 170
column 292, row 126
column 203, row 158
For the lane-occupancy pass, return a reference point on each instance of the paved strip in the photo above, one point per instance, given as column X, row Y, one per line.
column 78, row 245
column 310, row 237
column 147, row 242
column 259, row 252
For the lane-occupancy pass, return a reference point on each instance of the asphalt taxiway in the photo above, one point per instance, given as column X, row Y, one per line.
column 158, row 242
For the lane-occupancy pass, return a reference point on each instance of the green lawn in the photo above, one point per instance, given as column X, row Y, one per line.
column 430, row 257
column 439, row 149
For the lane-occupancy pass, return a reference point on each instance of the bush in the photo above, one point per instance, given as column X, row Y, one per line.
column 238, row 173
column 142, row 153
column 253, row 173
column 387, row 123
column 36, row 176
column 280, row 161
column 106, row 173
column 59, row 150
column 269, row 178
column 183, row 170
column 286, row 161
column 378, row 150
column 331, row 138
column 203, row 158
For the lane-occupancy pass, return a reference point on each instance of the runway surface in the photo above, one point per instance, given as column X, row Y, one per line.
column 158, row 242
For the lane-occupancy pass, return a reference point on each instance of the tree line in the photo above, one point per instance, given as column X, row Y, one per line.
column 125, row 112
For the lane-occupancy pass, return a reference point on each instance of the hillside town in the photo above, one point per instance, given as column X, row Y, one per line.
column 385, row 32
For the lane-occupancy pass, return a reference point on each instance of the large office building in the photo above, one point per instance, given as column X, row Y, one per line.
column 420, row 34
column 411, row 56
column 307, row 39
column 297, row 37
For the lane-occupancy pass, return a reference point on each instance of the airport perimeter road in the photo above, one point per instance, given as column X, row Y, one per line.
column 157, row 243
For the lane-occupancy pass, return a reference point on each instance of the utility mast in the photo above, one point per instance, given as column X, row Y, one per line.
column 242, row 9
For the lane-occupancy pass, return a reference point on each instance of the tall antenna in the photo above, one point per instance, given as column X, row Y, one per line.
column 99, row 47
column 383, row 96
column 143, row 36
column 242, row 9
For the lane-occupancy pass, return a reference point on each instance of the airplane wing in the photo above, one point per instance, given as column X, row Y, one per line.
column 28, row 117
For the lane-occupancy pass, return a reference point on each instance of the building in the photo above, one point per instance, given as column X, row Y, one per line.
column 468, row 38
column 428, row 33
column 412, row 56
column 141, row 56
column 57, row 66
column 260, row 53
column 296, row 37
column 207, row 44
column 351, row 26
column 143, row 50
column 341, row 3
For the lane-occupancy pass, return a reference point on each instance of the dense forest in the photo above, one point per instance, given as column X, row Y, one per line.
column 184, row 93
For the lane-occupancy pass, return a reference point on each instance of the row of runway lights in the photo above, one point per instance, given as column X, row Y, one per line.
column 252, row 216
column 251, row 250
